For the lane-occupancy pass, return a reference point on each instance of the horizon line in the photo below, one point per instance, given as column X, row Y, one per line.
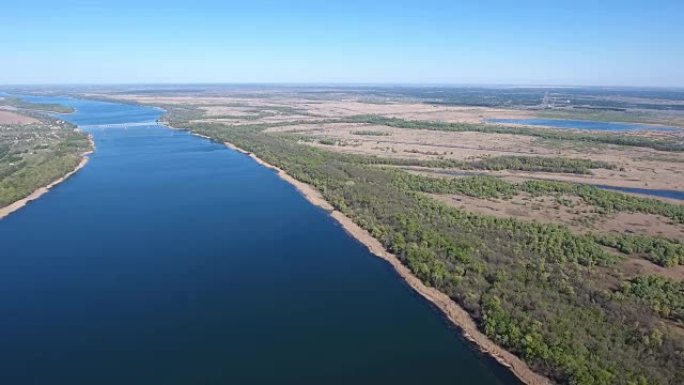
column 341, row 84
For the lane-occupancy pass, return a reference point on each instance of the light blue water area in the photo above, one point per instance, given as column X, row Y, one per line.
column 585, row 124
column 672, row 194
column 170, row 259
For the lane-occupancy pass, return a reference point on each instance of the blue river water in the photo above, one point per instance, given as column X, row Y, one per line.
column 586, row 124
column 672, row 194
column 652, row 193
column 170, row 259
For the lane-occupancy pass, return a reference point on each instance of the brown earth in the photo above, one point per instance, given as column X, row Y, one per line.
column 344, row 105
column 570, row 211
column 636, row 166
column 10, row 117
column 634, row 267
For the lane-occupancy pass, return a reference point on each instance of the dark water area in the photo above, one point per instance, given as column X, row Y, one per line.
column 672, row 194
column 585, row 124
column 170, row 259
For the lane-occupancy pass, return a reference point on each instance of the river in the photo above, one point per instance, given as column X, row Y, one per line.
column 170, row 259
column 585, row 124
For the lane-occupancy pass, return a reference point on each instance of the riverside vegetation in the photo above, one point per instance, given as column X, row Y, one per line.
column 45, row 107
column 34, row 155
column 508, row 162
column 628, row 140
column 556, row 298
column 659, row 250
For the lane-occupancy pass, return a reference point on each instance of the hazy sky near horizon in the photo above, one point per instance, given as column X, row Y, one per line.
column 629, row 42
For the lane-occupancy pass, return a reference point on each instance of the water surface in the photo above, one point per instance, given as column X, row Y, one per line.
column 585, row 124
column 170, row 259
column 672, row 194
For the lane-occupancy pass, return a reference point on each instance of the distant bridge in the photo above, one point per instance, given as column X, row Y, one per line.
column 116, row 125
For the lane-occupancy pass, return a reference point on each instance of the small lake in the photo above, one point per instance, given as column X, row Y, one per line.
column 585, row 124
column 672, row 194
column 170, row 259
column 652, row 193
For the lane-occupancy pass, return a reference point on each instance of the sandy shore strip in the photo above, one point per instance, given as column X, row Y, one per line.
column 200, row 135
column 12, row 207
column 456, row 314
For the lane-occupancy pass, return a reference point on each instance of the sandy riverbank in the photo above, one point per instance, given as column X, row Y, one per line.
column 9, row 209
column 193, row 134
column 456, row 314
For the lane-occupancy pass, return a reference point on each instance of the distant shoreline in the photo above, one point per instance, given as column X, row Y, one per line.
column 17, row 205
column 454, row 312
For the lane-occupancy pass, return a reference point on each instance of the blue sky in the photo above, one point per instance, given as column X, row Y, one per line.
column 637, row 43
